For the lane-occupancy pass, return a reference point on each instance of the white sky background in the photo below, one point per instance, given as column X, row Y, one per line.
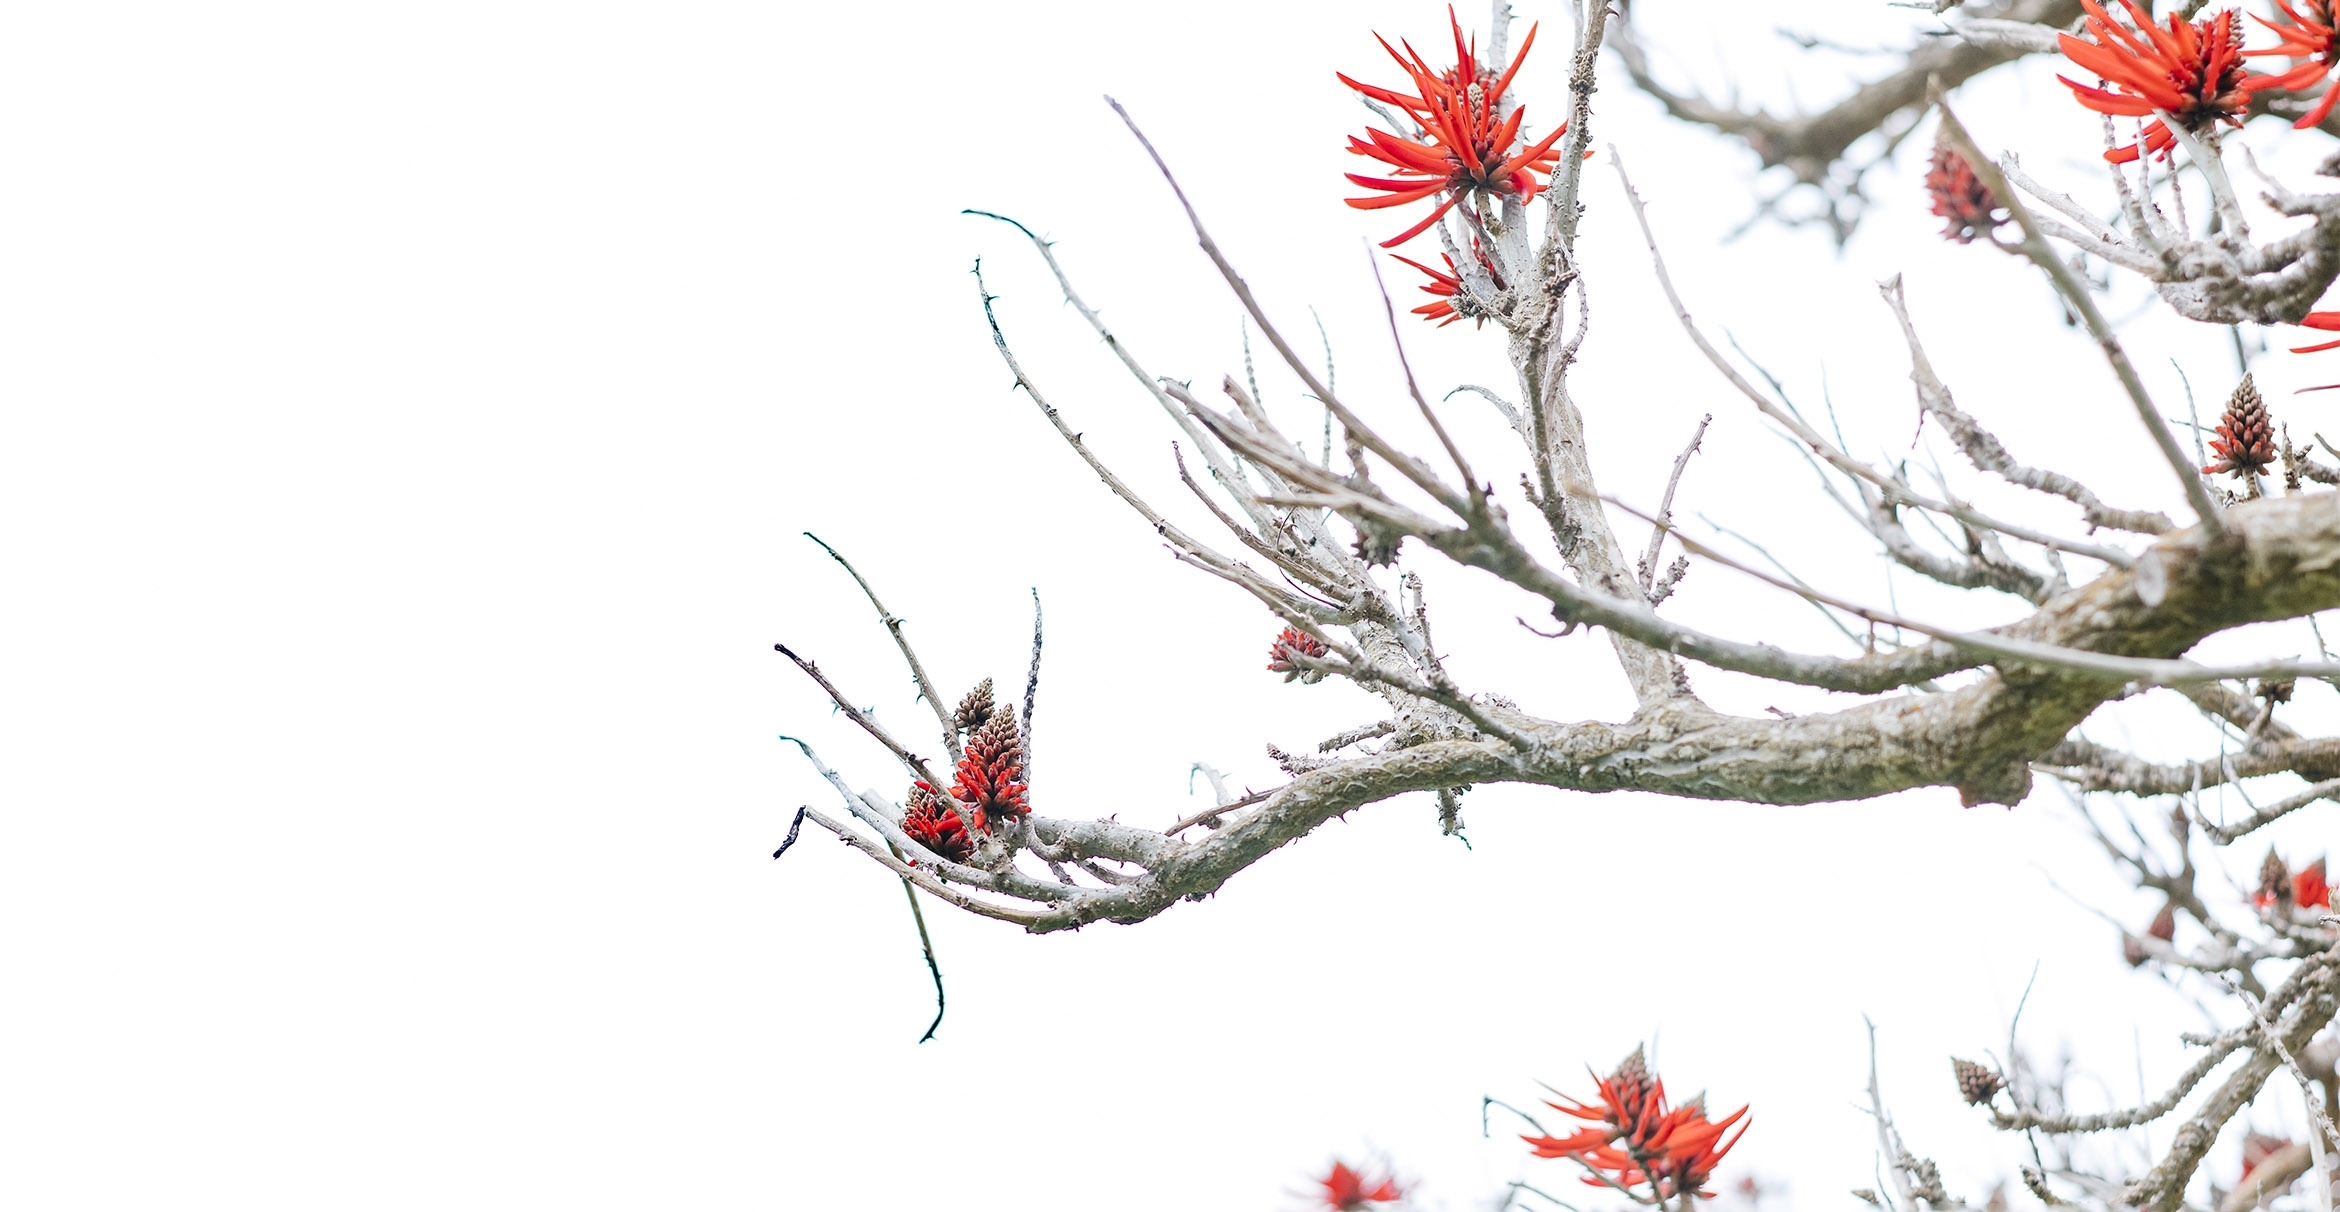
column 412, row 417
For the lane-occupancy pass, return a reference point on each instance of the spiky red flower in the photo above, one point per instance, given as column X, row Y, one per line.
column 990, row 777
column 1464, row 143
column 1961, row 197
column 1452, row 302
column 1350, row 1190
column 1638, row 1139
column 2313, row 37
column 2245, row 444
column 1290, row 642
column 2192, row 70
column 934, row 824
column 1445, row 287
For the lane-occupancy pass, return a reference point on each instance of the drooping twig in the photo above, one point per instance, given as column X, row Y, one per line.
column 926, row 944
column 793, row 826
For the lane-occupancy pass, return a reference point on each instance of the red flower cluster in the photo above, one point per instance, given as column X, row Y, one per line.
column 2315, row 38
column 1350, row 1190
column 2245, row 444
column 1961, row 197
column 2279, row 888
column 1446, row 290
column 2192, row 71
column 1445, row 287
column 990, row 778
column 1293, row 641
column 1638, row 1139
column 1465, row 144
column 935, row 825
column 2308, row 889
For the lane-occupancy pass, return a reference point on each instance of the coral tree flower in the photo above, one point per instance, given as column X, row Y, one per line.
column 1465, row 141
column 1293, row 641
column 2193, row 71
column 2245, row 444
column 2280, row 888
column 1961, row 197
column 1445, row 287
column 1637, row 1138
column 990, row 777
column 935, row 825
column 2322, row 321
column 2308, row 889
column 2313, row 37
column 1350, row 1190
column 1451, row 301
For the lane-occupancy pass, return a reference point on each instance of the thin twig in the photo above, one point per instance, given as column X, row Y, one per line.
column 1657, row 536
column 2075, row 292
column 893, row 624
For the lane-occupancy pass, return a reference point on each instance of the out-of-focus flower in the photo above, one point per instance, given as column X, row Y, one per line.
column 1294, row 641
column 1638, row 1139
column 1961, row 197
column 2258, row 1147
column 2308, row 889
column 990, row 777
column 1351, row 1190
column 2314, row 37
column 2164, row 927
column 1466, row 142
column 2274, row 884
column 2245, row 444
column 1976, row 1083
column 2192, row 71
column 935, row 825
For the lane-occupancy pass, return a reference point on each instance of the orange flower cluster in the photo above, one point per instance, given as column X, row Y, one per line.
column 1465, row 144
column 1636, row 1138
column 2192, row 71
column 1348, row 1190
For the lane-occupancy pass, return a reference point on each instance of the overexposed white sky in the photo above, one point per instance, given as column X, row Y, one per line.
column 411, row 417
